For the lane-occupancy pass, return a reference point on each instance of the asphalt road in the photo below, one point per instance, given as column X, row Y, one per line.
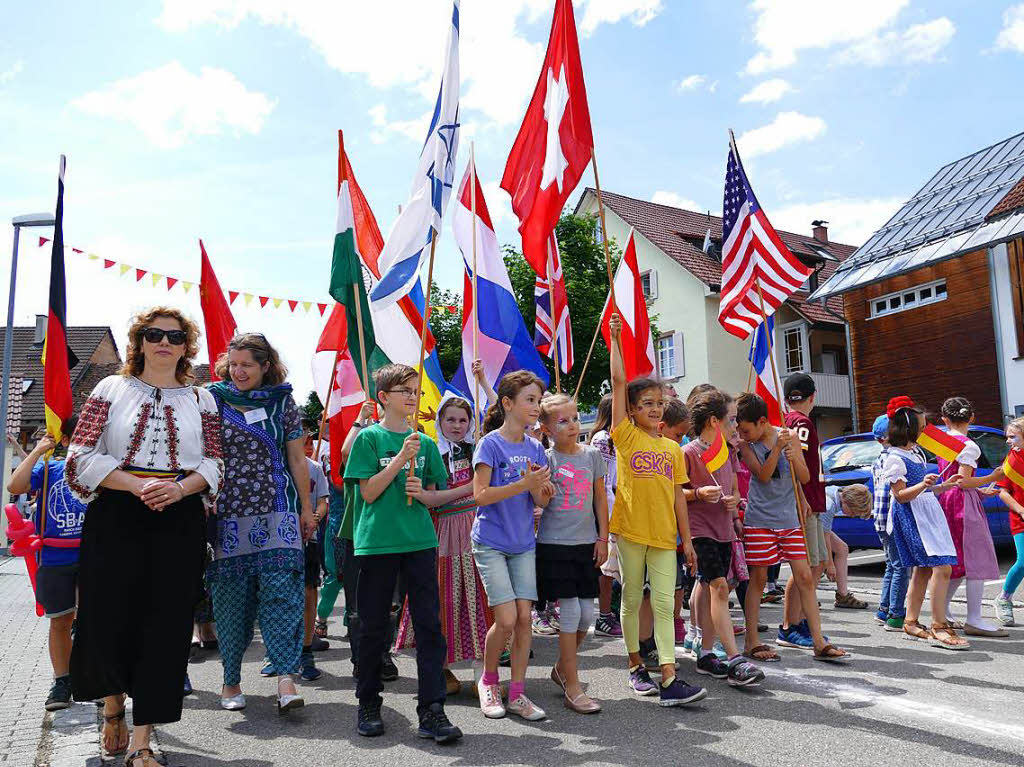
column 896, row 702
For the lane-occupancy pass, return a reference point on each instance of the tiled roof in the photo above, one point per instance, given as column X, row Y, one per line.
column 202, row 374
column 14, row 407
column 26, row 363
column 1013, row 200
column 92, row 375
column 680, row 234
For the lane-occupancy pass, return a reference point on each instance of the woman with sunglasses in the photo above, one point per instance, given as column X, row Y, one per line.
column 146, row 458
column 259, row 560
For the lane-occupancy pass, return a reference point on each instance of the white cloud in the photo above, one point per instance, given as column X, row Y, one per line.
column 600, row 12
column 917, row 43
column 499, row 64
column 767, row 92
column 674, row 200
column 851, row 220
column 169, row 104
column 11, row 72
column 384, row 129
column 787, row 128
column 691, row 83
column 499, row 204
column 1011, row 36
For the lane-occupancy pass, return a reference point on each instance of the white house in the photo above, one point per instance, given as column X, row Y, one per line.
column 683, row 283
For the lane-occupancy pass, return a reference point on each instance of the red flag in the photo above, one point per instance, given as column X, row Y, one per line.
column 220, row 324
column 107, row 263
column 322, row 308
column 554, row 144
column 57, row 358
column 139, row 274
column 232, row 295
column 292, row 304
column 263, row 301
column 637, row 344
column 43, row 241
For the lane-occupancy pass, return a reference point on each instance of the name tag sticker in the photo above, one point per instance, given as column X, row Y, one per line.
column 255, row 416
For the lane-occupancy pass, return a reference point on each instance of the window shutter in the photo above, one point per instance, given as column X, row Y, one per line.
column 654, row 284
column 680, row 357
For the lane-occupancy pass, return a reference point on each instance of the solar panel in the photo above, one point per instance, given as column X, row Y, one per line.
column 955, row 199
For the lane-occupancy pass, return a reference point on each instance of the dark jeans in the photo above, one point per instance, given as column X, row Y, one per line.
column 378, row 576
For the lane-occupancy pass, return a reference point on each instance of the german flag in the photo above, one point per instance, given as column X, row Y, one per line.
column 935, row 440
column 717, row 454
column 57, row 358
column 1013, row 468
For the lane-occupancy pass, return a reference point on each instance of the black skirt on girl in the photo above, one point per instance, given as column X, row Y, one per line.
column 566, row 571
column 140, row 578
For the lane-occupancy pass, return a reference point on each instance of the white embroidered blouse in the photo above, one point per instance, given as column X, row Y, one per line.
column 127, row 423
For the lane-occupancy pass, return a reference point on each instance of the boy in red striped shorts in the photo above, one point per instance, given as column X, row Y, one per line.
column 772, row 531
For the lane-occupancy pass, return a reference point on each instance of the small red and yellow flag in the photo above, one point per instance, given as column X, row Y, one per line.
column 935, row 440
column 717, row 454
column 1013, row 468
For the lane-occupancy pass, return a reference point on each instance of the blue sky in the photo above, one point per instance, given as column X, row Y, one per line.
column 217, row 119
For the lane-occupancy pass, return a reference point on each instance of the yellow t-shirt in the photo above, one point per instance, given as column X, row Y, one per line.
column 649, row 468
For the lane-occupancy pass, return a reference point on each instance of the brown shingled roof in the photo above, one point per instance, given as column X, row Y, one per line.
column 680, row 234
column 1013, row 200
column 14, row 407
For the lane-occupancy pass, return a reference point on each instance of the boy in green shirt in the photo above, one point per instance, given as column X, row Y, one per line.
column 393, row 534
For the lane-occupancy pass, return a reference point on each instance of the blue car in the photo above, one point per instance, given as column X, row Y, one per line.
column 848, row 460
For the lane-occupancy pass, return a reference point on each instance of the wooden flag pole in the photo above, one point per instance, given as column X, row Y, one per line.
column 604, row 241
column 590, row 352
column 476, row 295
column 342, row 177
column 775, row 377
column 554, row 321
column 323, row 415
column 423, row 348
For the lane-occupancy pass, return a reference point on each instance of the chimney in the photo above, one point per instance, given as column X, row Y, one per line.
column 819, row 230
column 40, row 337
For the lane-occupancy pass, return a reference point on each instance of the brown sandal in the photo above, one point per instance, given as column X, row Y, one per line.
column 763, row 654
column 914, row 630
column 113, row 726
column 830, row 653
column 944, row 636
column 145, row 754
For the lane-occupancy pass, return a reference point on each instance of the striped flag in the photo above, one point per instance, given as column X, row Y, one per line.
column 753, row 256
column 637, row 344
column 57, row 357
column 935, row 440
column 766, row 386
column 1013, row 468
column 543, row 293
column 717, row 453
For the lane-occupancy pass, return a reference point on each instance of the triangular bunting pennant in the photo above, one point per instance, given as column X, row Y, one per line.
column 125, row 268
column 292, row 305
column 107, row 263
column 93, row 257
column 43, row 241
column 187, row 286
column 248, row 298
column 278, row 302
column 139, row 274
column 263, row 301
column 171, row 282
column 76, row 250
column 307, row 305
column 232, row 295
column 322, row 308
column 156, row 278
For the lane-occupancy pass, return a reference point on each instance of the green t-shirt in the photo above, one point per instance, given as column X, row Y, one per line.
column 390, row 525
column 346, row 530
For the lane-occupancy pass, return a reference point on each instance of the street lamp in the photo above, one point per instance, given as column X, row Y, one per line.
column 19, row 222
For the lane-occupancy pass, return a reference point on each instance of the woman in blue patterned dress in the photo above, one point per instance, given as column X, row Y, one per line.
column 258, row 564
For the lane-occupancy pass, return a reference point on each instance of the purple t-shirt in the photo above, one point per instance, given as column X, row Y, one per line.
column 507, row 525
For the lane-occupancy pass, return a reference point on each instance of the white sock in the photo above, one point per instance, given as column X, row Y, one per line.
column 975, row 591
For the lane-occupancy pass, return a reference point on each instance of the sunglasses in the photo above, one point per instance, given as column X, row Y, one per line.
column 156, row 335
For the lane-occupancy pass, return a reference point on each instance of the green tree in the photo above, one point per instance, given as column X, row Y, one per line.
column 313, row 410
column 447, row 329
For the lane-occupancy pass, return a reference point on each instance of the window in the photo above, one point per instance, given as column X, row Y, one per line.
column 908, row 299
column 669, row 352
column 1015, row 255
column 794, row 348
column 811, row 283
column 649, row 284
column 26, row 384
column 993, row 448
column 598, row 232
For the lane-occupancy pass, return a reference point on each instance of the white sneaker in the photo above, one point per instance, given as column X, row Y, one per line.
column 524, row 707
column 1004, row 611
column 490, row 700
column 234, row 703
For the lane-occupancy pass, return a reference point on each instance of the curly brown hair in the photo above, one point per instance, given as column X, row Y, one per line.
column 135, row 361
column 259, row 347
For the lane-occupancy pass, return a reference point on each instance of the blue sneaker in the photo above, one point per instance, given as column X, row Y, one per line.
column 805, row 630
column 307, row 668
column 792, row 637
column 688, row 644
column 719, row 650
column 268, row 669
column 881, row 616
column 186, row 691
column 640, row 682
column 679, row 693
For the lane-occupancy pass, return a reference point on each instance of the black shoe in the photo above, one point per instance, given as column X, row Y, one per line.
column 355, row 671
column 388, row 669
column 187, row 689
column 60, row 694
column 307, row 668
column 709, row 665
column 319, row 645
column 434, row 724
column 370, row 725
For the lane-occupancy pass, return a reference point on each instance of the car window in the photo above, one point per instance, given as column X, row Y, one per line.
column 846, row 456
column 993, row 448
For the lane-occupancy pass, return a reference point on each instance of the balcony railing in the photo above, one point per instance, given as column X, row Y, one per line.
column 832, row 390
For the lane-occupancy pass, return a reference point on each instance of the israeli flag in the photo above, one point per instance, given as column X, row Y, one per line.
column 409, row 239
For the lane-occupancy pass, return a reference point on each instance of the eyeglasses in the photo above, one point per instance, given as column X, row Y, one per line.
column 156, row 335
column 404, row 392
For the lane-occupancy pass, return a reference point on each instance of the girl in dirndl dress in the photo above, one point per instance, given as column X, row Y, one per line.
column 968, row 522
column 917, row 525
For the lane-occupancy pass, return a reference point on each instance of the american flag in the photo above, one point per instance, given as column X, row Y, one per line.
column 752, row 254
column 544, row 323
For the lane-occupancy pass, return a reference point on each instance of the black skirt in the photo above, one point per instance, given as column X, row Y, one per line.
column 566, row 571
column 139, row 581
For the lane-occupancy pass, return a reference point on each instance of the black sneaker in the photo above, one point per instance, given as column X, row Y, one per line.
column 370, row 725
column 355, row 671
column 319, row 644
column 388, row 669
column 434, row 724
column 60, row 694
column 744, row 674
column 709, row 665
column 679, row 693
column 186, row 690
column 307, row 667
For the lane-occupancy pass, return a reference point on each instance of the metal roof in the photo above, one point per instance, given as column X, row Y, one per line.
column 944, row 219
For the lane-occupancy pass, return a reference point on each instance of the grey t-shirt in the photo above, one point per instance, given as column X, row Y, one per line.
column 771, row 504
column 569, row 519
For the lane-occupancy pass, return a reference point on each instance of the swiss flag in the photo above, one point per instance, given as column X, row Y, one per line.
column 217, row 317
column 554, row 144
column 637, row 344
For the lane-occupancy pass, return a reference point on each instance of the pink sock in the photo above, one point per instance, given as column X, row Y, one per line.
column 515, row 689
column 490, row 677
